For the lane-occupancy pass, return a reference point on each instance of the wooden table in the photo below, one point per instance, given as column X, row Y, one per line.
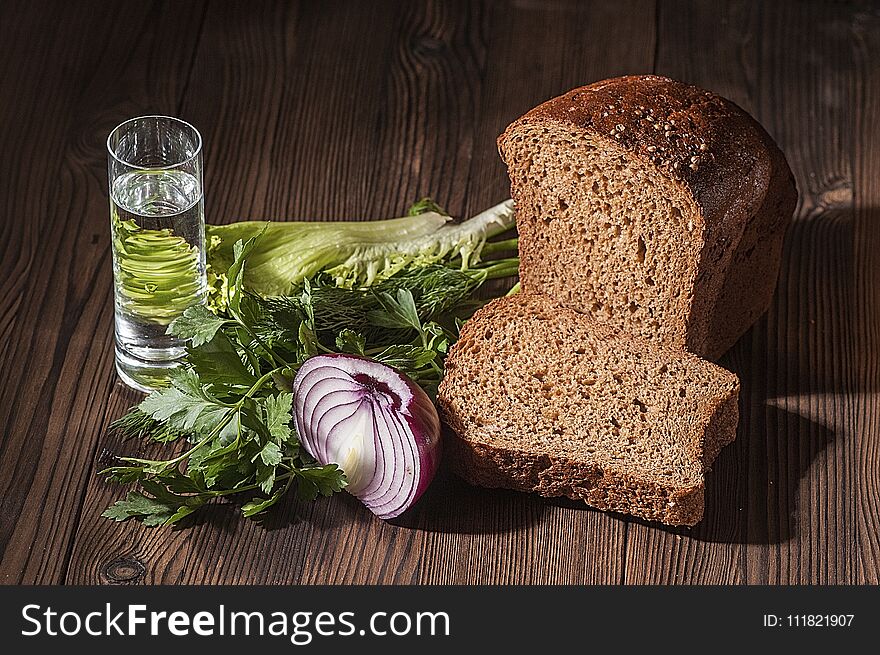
column 331, row 110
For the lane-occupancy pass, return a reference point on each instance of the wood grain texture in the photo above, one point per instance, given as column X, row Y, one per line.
column 92, row 70
column 780, row 507
column 865, row 488
column 807, row 436
column 345, row 110
column 103, row 553
column 549, row 542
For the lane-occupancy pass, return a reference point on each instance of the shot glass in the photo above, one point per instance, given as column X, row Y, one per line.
column 157, row 224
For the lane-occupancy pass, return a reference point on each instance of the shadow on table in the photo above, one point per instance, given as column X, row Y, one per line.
column 754, row 494
column 451, row 505
column 792, row 364
column 754, row 488
column 225, row 516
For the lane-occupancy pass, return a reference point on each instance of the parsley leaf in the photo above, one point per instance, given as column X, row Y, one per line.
column 198, row 324
column 151, row 510
column 319, row 481
column 351, row 342
column 270, row 454
column 185, row 406
column 217, row 362
column 398, row 311
column 258, row 505
column 278, row 416
column 406, row 357
column 266, row 475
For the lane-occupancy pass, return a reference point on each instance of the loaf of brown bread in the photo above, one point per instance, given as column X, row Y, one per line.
column 652, row 205
column 541, row 398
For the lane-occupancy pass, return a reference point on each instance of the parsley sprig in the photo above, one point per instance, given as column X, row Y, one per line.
column 227, row 405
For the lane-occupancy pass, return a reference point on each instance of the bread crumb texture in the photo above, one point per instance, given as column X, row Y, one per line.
column 544, row 399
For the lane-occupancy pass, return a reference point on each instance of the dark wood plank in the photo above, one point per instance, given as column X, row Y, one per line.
column 865, row 428
column 781, row 500
column 800, row 364
column 23, row 32
column 75, row 74
column 105, row 552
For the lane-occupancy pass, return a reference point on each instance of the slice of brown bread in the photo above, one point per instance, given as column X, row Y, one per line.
column 652, row 205
column 541, row 398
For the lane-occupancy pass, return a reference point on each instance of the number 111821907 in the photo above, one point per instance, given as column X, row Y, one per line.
column 809, row 620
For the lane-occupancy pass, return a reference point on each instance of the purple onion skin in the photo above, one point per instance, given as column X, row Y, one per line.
column 377, row 391
column 425, row 424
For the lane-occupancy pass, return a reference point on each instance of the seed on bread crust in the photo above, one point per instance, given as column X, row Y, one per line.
column 705, row 163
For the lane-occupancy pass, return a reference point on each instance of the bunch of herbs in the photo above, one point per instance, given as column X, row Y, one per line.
column 231, row 402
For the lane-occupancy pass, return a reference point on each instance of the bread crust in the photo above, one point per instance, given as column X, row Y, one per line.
column 606, row 490
column 718, row 154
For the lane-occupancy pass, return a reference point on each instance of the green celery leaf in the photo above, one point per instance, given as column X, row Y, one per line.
column 355, row 253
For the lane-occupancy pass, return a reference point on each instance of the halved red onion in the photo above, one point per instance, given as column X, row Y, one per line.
column 376, row 424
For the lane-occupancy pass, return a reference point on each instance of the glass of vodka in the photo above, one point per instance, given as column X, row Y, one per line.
column 157, row 223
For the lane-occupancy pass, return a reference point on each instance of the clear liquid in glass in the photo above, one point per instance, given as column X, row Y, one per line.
column 157, row 217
